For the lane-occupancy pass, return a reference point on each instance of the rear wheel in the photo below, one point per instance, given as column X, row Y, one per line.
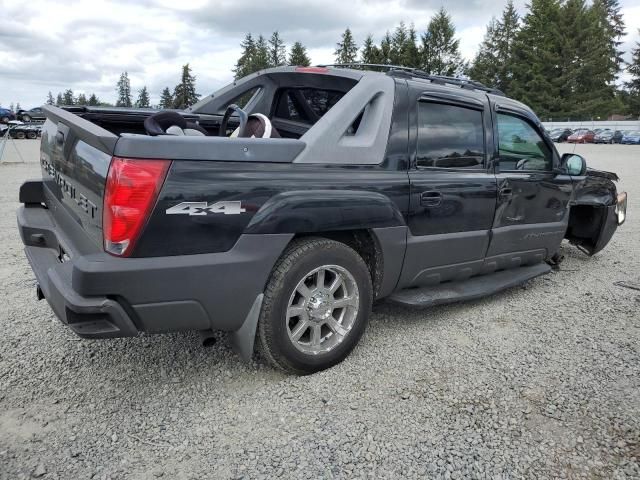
column 32, row 135
column 316, row 306
column 26, row 118
column 4, row 119
column 20, row 135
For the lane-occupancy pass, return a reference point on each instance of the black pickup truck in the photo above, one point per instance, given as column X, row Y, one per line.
column 281, row 222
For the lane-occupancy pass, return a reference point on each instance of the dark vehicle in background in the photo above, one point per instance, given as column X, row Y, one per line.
column 282, row 221
column 631, row 137
column 31, row 115
column 560, row 135
column 6, row 115
column 582, row 135
column 25, row 131
column 608, row 136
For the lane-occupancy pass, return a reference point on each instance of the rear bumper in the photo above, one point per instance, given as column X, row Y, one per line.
column 101, row 296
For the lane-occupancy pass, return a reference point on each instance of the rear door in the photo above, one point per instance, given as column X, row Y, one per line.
column 533, row 199
column 453, row 188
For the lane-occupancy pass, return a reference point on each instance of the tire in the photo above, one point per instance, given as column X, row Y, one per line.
column 298, row 269
column 26, row 118
column 20, row 135
column 32, row 135
column 4, row 119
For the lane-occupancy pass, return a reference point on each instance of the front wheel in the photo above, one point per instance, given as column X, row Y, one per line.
column 4, row 119
column 26, row 118
column 32, row 135
column 20, row 135
column 316, row 306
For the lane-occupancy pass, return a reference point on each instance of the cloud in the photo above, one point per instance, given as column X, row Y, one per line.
column 85, row 44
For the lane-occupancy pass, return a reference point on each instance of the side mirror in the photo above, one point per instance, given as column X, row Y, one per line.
column 573, row 164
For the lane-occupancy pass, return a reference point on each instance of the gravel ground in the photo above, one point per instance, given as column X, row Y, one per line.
column 540, row 381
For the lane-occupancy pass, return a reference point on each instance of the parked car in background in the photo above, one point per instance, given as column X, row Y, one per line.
column 608, row 136
column 6, row 115
column 560, row 135
column 582, row 135
column 631, row 137
column 30, row 115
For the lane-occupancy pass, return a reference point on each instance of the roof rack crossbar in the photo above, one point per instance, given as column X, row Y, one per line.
column 417, row 73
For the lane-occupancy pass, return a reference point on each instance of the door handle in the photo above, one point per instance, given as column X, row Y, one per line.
column 431, row 199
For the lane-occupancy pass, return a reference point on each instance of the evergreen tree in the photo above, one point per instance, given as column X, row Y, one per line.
column 346, row 48
column 608, row 12
column 260, row 59
column 412, row 52
column 143, row 98
column 492, row 64
column 124, row 91
column 537, row 59
column 277, row 50
column 398, row 54
column 67, row 97
column 633, row 85
column 587, row 72
column 18, row 107
column 385, row 49
column 59, row 99
column 11, row 107
column 82, row 99
column 243, row 65
column 166, row 99
column 184, row 95
column 440, row 50
column 298, row 56
column 93, row 100
column 370, row 53
column 50, row 100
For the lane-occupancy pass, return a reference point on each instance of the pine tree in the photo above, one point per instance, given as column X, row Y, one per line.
column 50, row 100
column 166, row 99
column 277, row 50
column 370, row 52
column 59, row 99
column 492, row 64
column 587, row 72
column 298, row 55
column 82, row 99
column 67, row 97
column 385, row 49
column 412, row 52
column 440, row 50
column 93, row 100
column 397, row 54
column 537, row 59
column 243, row 65
column 346, row 48
column 18, row 107
column 143, row 98
column 633, row 85
column 124, row 91
column 11, row 107
column 611, row 16
column 260, row 59
column 184, row 94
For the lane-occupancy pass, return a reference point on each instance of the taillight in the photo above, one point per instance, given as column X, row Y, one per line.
column 130, row 194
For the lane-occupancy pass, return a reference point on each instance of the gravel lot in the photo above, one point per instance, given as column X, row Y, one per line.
column 540, row 381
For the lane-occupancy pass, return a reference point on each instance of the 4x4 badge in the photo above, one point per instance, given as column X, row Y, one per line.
column 203, row 208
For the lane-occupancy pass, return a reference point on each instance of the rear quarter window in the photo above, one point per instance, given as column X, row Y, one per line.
column 306, row 105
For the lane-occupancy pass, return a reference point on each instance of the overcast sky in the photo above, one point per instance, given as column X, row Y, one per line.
column 85, row 45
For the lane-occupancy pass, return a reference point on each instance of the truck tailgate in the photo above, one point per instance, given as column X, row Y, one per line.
column 74, row 156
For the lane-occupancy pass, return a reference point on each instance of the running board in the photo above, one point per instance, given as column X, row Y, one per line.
column 470, row 289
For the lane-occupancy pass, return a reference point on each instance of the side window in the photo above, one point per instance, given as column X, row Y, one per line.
column 521, row 147
column 306, row 105
column 449, row 136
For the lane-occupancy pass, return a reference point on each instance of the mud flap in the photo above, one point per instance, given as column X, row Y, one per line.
column 242, row 340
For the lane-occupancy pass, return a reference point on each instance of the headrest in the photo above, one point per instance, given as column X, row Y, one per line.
column 259, row 126
column 158, row 123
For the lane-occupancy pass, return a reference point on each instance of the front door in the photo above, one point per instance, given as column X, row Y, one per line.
column 453, row 188
column 533, row 199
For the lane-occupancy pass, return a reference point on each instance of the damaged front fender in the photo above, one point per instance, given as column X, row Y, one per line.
column 595, row 211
